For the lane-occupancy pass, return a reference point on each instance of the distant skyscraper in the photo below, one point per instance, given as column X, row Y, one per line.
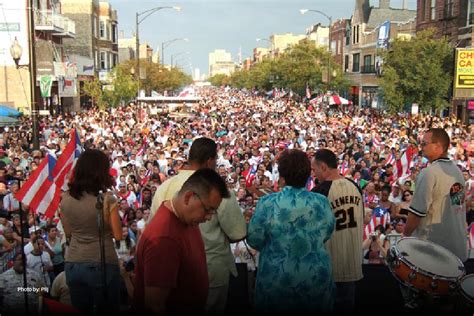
column 220, row 62
column 197, row 74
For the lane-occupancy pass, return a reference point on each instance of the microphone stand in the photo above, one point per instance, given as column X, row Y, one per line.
column 23, row 256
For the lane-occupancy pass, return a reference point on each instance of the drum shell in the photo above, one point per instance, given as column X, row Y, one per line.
column 423, row 281
column 419, row 280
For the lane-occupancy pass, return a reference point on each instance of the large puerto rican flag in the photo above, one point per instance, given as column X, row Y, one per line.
column 42, row 191
column 39, row 190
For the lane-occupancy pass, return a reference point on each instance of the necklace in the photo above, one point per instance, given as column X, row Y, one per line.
column 173, row 209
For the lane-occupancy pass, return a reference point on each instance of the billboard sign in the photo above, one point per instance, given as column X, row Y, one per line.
column 464, row 77
column 13, row 24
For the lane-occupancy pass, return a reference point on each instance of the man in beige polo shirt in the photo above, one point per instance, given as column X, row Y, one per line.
column 227, row 226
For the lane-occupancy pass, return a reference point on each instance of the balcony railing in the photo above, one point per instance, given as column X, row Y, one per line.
column 48, row 20
column 367, row 69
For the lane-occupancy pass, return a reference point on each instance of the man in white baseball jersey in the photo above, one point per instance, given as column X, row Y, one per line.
column 345, row 246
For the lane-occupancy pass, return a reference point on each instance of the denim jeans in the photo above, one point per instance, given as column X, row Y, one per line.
column 84, row 280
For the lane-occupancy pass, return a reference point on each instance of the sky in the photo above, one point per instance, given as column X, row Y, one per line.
column 225, row 24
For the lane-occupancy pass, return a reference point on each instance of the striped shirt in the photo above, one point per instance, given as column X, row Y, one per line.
column 345, row 245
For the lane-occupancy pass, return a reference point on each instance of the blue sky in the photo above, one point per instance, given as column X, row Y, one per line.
column 225, row 24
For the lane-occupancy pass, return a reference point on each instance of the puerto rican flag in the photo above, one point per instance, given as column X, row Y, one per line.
column 65, row 165
column 382, row 216
column 402, row 166
column 42, row 191
column 376, row 221
column 390, row 159
column 344, row 169
column 376, row 142
column 39, row 190
column 250, row 176
column 310, row 184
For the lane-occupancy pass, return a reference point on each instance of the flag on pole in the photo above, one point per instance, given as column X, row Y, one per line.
column 308, row 92
column 66, row 162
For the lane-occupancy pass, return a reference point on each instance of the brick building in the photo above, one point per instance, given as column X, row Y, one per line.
column 361, row 54
column 51, row 29
column 455, row 20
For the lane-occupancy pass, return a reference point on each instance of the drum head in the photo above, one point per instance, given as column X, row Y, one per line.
column 467, row 285
column 430, row 257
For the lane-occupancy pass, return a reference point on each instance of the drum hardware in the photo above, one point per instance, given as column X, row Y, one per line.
column 453, row 287
column 412, row 276
column 434, row 284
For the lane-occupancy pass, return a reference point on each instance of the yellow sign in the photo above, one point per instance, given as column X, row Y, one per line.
column 464, row 77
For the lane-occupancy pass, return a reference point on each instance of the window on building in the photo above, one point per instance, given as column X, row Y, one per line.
column 94, row 25
column 367, row 67
column 357, row 34
column 448, row 8
column 355, row 62
column 102, row 29
column 423, row 10
column 109, row 33
column 348, row 34
column 346, row 63
column 433, row 10
column 353, row 35
column 470, row 17
column 114, row 33
column 103, row 61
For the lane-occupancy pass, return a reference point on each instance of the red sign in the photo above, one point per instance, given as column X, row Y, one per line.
column 470, row 105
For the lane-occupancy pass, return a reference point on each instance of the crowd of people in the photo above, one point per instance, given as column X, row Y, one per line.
column 146, row 147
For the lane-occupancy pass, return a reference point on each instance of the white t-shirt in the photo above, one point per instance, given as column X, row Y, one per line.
column 36, row 263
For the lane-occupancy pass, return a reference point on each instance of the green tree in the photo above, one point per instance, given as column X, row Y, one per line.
column 93, row 89
column 297, row 67
column 418, row 70
column 122, row 89
column 219, row 80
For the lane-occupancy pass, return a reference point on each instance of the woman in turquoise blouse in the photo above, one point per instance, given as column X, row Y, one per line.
column 289, row 228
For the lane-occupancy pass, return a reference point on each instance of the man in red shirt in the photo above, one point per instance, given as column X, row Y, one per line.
column 171, row 272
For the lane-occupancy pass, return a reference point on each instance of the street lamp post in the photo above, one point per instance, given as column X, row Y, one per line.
column 175, row 55
column 304, row 11
column 146, row 14
column 16, row 51
column 168, row 43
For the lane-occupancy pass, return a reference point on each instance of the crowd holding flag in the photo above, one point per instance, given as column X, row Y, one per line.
column 379, row 217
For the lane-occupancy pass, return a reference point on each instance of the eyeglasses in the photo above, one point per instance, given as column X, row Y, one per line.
column 407, row 194
column 210, row 211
